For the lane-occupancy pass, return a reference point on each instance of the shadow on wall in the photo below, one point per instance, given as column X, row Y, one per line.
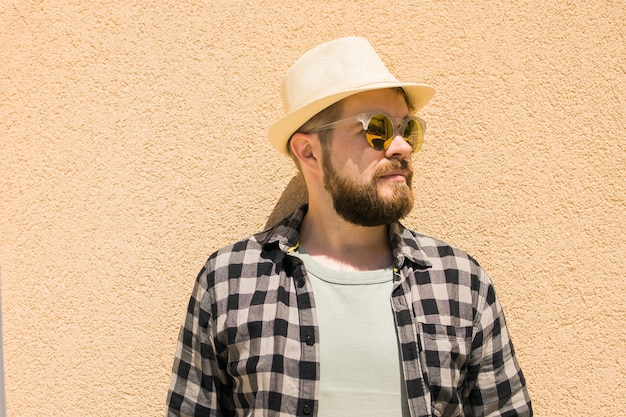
column 294, row 196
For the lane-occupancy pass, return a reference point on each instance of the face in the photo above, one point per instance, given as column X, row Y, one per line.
column 369, row 187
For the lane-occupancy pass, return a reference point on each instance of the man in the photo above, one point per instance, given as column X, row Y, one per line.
column 340, row 310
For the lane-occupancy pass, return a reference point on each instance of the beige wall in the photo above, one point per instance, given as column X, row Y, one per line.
column 132, row 144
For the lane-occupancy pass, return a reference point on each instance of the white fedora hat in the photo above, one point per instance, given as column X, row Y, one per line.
column 329, row 73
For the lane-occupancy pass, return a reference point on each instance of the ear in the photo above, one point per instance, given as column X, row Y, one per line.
column 306, row 148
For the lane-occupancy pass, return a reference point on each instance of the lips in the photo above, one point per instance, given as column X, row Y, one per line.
column 395, row 173
column 395, row 170
column 395, row 176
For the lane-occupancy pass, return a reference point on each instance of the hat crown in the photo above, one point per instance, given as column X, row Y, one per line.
column 349, row 63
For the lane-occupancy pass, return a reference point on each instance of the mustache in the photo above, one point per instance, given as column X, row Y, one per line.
column 403, row 164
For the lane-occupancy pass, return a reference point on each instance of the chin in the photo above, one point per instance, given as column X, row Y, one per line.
column 392, row 190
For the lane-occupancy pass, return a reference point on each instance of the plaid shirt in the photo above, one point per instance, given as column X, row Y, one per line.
column 249, row 342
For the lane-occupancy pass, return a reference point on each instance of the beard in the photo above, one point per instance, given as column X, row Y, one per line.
column 363, row 204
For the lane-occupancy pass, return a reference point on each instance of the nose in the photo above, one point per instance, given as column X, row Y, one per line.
column 398, row 147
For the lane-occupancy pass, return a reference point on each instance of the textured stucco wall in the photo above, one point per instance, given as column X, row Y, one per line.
column 132, row 144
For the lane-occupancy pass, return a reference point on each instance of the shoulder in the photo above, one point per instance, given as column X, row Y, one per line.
column 438, row 250
column 234, row 270
column 435, row 253
column 242, row 258
column 449, row 277
column 258, row 254
column 238, row 252
column 440, row 263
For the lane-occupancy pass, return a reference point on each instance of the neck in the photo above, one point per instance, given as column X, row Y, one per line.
column 336, row 243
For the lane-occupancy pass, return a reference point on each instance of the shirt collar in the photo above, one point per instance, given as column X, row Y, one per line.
column 403, row 241
column 406, row 246
column 285, row 234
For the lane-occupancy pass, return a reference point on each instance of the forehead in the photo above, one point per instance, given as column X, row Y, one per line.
column 388, row 100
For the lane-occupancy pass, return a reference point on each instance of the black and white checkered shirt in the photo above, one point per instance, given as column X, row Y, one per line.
column 249, row 342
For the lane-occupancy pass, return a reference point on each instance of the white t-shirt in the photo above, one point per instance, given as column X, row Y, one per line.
column 360, row 370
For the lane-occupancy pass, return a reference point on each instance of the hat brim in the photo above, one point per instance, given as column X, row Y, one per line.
column 281, row 131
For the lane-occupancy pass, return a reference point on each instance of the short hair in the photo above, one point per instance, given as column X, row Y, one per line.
column 328, row 115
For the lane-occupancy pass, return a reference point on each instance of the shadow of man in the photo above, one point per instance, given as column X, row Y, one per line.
column 294, row 196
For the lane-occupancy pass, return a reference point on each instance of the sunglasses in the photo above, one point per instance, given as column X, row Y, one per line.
column 380, row 129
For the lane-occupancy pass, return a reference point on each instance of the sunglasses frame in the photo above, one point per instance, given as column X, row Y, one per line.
column 398, row 124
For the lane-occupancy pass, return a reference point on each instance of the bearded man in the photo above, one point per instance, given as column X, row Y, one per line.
column 340, row 310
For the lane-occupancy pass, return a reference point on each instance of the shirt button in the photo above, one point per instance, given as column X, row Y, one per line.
column 310, row 340
column 307, row 409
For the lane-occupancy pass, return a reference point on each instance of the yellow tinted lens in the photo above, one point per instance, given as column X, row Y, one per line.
column 414, row 134
column 379, row 130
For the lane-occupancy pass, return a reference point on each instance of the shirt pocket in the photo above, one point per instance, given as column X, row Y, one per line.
column 445, row 352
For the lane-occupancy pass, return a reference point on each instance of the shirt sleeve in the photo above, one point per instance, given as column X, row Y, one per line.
column 499, row 388
column 198, row 384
